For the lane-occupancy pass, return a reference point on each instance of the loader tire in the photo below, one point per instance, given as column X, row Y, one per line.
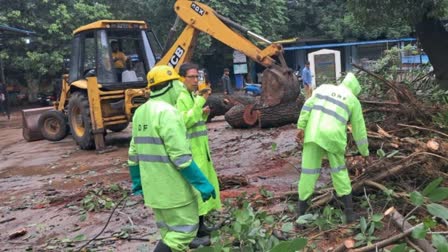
column 53, row 125
column 118, row 127
column 79, row 120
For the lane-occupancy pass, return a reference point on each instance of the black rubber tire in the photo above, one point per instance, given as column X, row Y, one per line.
column 79, row 120
column 118, row 127
column 53, row 125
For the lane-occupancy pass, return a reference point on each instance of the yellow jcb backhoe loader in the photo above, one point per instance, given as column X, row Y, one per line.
column 99, row 94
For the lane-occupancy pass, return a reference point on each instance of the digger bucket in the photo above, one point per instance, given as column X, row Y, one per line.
column 30, row 123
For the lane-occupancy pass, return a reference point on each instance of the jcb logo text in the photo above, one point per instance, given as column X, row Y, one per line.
column 198, row 9
column 174, row 60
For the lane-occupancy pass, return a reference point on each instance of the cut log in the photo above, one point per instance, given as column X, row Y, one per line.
column 250, row 116
column 234, row 117
column 218, row 105
column 282, row 114
column 276, row 107
column 267, row 117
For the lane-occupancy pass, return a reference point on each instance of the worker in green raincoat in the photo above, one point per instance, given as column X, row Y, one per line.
column 191, row 105
column 160, row 151
column 323, row 125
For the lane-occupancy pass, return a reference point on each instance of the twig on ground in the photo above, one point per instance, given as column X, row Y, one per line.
column 129, row 218
column 107, row 223
column 370, row 210
column 7, row 220
column 386, row 242
column 413, row 245
column 422, row 128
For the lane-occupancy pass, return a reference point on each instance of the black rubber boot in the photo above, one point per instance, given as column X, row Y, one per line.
column 200, row 241
column 303, row 206
column 348, row 208
column 162, row 247
column 203, row 229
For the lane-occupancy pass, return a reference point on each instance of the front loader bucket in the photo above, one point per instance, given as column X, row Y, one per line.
column 279, row 86
column 30, row 123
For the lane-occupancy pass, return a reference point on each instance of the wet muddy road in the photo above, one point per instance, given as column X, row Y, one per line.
column 43, row 184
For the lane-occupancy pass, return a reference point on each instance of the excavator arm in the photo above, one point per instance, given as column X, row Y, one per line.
column 201, row 18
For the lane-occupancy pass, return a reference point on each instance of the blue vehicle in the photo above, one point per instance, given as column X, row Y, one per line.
column 253, row 89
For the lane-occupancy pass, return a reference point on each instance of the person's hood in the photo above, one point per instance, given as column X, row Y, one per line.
column 352, row 83
column 170, row 93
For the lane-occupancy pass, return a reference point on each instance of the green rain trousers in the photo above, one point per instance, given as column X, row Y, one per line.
column 190, row 107
column 312, row 165
column 178, row 226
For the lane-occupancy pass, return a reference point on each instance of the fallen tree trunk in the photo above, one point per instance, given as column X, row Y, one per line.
column 276, row 106
column 248, row 116
column 219, row 103
column 279, row 115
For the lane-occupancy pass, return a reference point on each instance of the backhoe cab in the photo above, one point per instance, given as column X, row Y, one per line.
column 105, row 84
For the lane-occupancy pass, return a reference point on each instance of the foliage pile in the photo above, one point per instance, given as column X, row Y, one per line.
column 408, row 139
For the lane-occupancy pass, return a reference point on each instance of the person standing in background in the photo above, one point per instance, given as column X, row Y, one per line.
column 226, row 82
column 307, row 78
column 4, row 108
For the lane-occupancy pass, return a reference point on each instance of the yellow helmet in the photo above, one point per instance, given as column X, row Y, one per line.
column 161, row 74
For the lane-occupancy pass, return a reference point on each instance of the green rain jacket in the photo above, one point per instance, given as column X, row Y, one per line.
column 190, row 107
column 160, row 148
column 325, row 115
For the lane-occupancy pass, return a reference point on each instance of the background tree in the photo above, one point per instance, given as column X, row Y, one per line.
column 332, row 20
column 268, row 20
column 424, row 16
column 53, row 22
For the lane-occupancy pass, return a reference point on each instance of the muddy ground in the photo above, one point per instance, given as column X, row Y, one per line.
column 42, row 184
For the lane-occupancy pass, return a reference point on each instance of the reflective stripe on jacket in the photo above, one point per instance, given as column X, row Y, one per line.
column 160, row 148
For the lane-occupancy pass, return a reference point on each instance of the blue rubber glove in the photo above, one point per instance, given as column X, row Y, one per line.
column 196, row 178
column 134, row 170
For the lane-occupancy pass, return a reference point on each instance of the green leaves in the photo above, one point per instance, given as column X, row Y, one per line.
column 432, row 186
column 438, row 194
column 440, row 242
column 80, row 237
column 435, row 193
column 363, row 224
column 419, row 232
column 306, row 219
column 438, row 210
column 400, row 248
column 290, row 246
column 380, row 153
column 417, row 198
column 287, row 227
